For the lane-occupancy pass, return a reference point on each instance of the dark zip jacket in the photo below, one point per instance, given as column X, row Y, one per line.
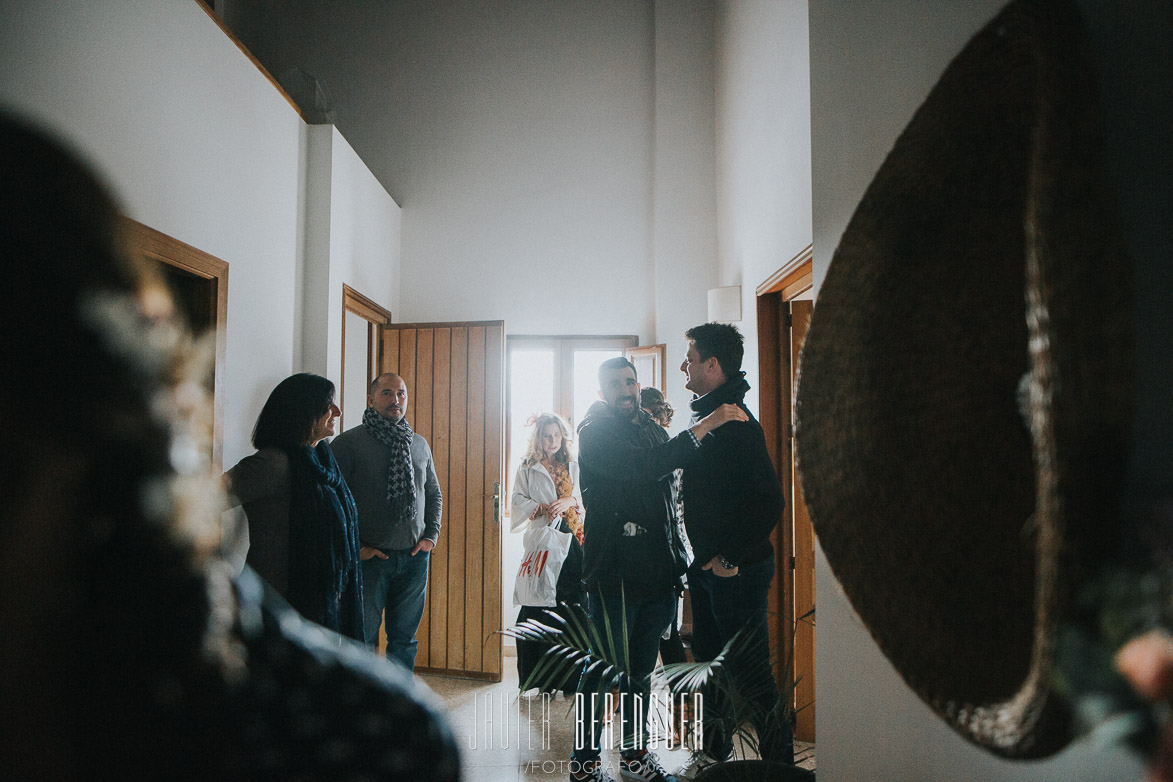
column 732, row 498
column 630, row 533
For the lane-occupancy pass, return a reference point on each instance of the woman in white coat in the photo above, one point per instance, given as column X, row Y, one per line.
column 546, row 490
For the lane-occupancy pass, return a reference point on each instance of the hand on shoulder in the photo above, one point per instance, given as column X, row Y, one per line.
column 724, row 414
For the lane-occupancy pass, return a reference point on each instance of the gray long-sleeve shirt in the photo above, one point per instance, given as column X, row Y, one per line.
column 365, row 463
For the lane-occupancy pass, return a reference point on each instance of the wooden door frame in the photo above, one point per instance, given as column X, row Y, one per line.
column 376, row 316
column 158, row 246
column 790, row 281
column 659, row 355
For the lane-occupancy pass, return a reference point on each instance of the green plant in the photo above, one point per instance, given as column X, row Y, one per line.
column 600, row 650
column 742, row 715
column 575, row 640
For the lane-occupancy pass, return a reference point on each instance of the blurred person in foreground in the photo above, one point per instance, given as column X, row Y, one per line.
column 110, row 536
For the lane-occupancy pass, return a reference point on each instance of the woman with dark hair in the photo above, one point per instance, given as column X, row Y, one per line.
column 302, row 521
column 652, row 400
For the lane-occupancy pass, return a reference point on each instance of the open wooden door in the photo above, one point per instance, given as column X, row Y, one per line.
column 783, row 314
column 804, row 548
column 455, row 377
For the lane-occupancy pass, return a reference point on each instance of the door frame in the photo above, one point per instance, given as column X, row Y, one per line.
column 776, row 417
column 155, row 245
column 376, row 316
column 563, row 347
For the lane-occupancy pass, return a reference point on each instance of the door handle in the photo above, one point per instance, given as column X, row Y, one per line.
column 496, row 502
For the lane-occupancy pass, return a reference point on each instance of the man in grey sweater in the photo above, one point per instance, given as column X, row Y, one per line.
column 390, row 473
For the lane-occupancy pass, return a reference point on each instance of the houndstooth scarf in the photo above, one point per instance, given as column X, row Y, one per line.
column 400, row 481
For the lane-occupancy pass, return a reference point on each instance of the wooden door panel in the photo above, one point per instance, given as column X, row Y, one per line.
column 390, row 351
column 494, row 479
column 474, row 505
column 425, row 392
column 441, row 556
column 774, row 416
column 782, row 321
column 455, row 378
column 457, row 466
column 804, row 553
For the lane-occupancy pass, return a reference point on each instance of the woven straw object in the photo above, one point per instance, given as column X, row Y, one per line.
column 963, row 393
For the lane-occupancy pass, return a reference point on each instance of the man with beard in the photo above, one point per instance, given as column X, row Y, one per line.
column 732, row 501
column 633, row 557
column 390, row 473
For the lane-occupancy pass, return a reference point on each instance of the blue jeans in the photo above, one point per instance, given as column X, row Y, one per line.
column 395, row 587
column 647, row 619
column 721, row 607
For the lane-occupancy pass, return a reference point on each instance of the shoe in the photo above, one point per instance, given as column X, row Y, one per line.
column 644, row 767
column 591, row 771
column 697, row 762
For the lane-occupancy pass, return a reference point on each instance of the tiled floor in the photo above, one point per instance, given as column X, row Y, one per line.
column 506, row 737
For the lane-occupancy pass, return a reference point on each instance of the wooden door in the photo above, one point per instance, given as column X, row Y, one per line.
column 783, row 314
column 804, row 549
column 455, row 378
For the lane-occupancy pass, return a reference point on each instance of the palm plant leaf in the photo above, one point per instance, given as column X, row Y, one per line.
column 717, row 678
column 574, row 640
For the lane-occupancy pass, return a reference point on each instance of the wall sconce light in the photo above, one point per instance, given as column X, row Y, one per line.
column 725, row 304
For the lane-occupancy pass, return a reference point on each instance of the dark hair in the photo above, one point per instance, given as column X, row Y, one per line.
column 618, row 362
column 288, row 417
column 721, row 341
column 652, row 400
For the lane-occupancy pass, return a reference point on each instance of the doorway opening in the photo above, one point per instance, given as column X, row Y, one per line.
column 362, row 319
column 784, row 304
column 546, row 374
column 553, row 374
column 199, row 285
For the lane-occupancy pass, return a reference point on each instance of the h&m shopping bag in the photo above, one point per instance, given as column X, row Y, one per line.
column 537, row 577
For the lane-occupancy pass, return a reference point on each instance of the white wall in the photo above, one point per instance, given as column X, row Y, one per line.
column 871, row 66
column 199, row 145
column 532, row 201
column 684, row 248
column 553, row 160
column 763, row 149
column 195, row 142
column 353, row 238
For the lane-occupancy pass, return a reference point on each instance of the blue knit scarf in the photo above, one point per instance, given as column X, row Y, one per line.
column 325, row 574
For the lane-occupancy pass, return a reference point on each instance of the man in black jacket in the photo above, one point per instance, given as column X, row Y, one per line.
column 732, row 501
column 633, row 557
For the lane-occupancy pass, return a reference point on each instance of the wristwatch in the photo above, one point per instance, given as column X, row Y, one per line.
column 725, row 563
